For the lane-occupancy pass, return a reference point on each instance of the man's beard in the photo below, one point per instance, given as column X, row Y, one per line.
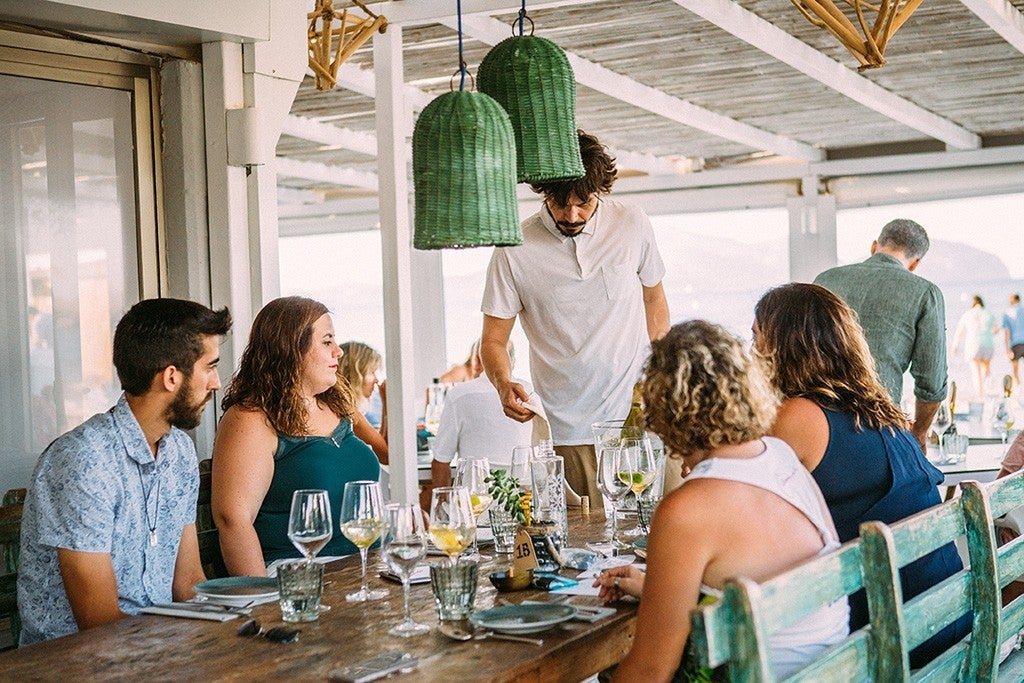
column 570, row 229
column 184, row 414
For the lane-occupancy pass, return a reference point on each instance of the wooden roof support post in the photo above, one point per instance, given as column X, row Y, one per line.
column 396, row 247
column 812, row 231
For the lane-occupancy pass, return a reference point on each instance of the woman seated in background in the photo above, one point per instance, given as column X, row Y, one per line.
column 470, row 369
column 849, row 434
column 748, row 507
column 287, row 425
column 360, row 366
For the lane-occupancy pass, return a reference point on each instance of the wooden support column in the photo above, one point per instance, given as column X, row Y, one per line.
column 812, row 231
column 396, row 247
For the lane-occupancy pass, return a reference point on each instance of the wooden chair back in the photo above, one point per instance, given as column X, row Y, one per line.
column 903, row 626
column 206, row 530
column 10, row 545
column 735, row 631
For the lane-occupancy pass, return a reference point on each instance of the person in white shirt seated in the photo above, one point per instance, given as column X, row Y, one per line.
column 473, row 425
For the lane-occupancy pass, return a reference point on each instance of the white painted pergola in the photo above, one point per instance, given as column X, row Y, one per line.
column 413, row 296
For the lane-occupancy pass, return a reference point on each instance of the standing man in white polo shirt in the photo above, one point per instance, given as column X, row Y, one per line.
column 586, row 284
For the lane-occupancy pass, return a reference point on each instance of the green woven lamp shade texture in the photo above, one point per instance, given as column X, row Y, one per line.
column 531, row 78
column 463, row 167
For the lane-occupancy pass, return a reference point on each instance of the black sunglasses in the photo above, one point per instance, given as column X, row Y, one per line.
column 279, row 634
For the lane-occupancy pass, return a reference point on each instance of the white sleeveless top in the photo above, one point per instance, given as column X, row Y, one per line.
column 778, row 470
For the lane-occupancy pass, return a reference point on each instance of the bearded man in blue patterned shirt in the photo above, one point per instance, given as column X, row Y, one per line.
column 109, row 520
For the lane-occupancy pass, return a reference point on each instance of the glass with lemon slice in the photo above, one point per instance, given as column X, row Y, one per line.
column 452, row 521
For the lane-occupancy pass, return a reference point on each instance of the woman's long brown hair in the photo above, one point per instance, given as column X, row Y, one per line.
column 268, row 374
column 813, row 347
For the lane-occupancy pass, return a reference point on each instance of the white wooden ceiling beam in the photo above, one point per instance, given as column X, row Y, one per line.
column 325, row 173
column 420, row 12
column 492, row 31
column 331, row 136
column 1002, row 17
column 748, row 27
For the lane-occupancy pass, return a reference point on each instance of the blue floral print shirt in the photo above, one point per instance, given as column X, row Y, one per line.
column 98, row 489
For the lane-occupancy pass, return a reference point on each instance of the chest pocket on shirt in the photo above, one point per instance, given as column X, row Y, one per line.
column 575, row 306
column 619, row 280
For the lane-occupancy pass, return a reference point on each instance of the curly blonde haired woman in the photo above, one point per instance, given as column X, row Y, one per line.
column 848, row 433
column 747, row 508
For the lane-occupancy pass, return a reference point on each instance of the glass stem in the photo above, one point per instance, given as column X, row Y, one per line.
column 615, row 524
column 364, row 589
column 405, row 598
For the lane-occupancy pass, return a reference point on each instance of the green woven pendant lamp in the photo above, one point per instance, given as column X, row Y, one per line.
column 463, row 167
column 531, row 78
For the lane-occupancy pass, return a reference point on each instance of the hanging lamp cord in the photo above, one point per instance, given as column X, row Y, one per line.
column 462, row 62
column 522, row 19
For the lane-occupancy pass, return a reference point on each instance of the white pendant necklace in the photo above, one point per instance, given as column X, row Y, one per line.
column 150, row 522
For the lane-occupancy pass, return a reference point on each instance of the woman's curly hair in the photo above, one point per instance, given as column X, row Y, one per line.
column 813, row 347
column 269, row 373
column 702, row 390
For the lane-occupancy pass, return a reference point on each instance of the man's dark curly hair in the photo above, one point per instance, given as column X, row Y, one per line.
column 600, row 175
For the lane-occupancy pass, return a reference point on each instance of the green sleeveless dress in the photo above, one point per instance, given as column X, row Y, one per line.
column 312, row 462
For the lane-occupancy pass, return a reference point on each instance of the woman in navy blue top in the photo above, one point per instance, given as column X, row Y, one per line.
column 846, row 430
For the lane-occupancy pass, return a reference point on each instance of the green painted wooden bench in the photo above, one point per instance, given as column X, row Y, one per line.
column 734, row 632
column 888, row 548
column 996, row 499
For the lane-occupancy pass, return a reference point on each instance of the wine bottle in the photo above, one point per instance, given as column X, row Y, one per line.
column 633, row 425
column 952, row 409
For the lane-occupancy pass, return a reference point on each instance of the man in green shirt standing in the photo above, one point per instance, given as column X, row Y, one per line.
column 903, row 316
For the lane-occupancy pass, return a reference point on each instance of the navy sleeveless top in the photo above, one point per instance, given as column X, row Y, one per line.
column 882, row 475
column 312, row 462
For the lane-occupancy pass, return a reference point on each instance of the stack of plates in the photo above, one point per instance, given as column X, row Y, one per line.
column 238, row 591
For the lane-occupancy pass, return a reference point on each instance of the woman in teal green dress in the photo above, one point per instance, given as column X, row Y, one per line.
column 288, row 424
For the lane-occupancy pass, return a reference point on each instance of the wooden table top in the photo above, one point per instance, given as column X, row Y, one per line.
column 148, row 647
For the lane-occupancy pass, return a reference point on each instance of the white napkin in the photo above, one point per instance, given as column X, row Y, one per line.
column 188, row 614
column 541, row 428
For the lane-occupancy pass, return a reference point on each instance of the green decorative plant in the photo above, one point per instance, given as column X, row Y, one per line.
column 506, row 492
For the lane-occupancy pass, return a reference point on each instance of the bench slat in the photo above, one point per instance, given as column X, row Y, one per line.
column 922, row 533
column 806, row 588
column 946, row 667
column 847, row 661
column 1010, row 560
column 1006, row 494
column 928, row 613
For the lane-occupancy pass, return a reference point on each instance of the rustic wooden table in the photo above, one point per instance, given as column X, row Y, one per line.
column 150, row 647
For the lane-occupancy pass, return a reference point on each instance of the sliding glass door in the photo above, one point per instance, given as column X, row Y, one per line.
column 77, row 243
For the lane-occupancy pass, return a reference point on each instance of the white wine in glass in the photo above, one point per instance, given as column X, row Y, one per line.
column 363, row 522
column 452, row 523
column 405, row 544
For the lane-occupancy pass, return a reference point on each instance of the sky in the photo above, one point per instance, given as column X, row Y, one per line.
column 719, row 263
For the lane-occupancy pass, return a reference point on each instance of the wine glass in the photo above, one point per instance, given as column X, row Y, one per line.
column 472, row 474
column 1002, row 419
column 520, row 466
column 405, row 544
column 611, row 462
column 943, row 421
column 452, row 523
column 309, row 522
column 362, row 522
